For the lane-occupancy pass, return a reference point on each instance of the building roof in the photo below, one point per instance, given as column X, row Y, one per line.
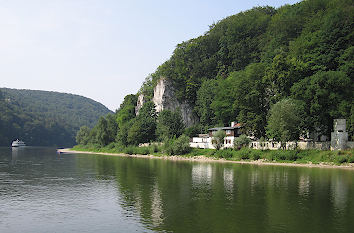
column 224, row 128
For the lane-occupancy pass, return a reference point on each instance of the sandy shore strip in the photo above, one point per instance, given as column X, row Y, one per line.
column 208, row 159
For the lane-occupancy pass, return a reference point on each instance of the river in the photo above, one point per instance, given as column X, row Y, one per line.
column 42, row 191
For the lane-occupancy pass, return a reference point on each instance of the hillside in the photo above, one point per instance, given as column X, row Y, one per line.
column 244, row 65
column 249, row 61
column 43, row 118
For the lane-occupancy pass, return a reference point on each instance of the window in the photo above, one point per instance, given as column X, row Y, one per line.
column 228, row 131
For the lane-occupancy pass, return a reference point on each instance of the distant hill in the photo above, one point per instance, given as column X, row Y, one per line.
column 45, row 118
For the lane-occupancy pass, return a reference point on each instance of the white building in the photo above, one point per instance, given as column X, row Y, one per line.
column 204, row 140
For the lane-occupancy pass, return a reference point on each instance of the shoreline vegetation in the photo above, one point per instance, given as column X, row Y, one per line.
column 299, row 158
column 281, row 74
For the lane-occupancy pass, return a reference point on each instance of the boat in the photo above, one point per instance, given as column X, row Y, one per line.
column 18, row 143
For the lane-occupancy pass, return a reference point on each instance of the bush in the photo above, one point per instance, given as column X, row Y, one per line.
column 245, row 156
column 110, row 146
column 144, row 150
column 351, row 158
column 192, row 131
column 255, row 155
column 241, row 141
column 154, row 148
column 225, row 153
column 129, row 150
column 179, row 146
column 342, row 159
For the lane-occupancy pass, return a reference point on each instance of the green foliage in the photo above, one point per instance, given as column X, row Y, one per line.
column 126, row 110
column 218, row 139
column 144, row 126
column 177, row 146
column 42, row 118
column 82, row 136
column 251, row 100
column 241, row 141
column 248, row 62
column 102, row 134
column 293, row 156
column 284, row 121
column 169, row 124
column 228, row 46
column 205, row 97
column 251, row 60
column 225, row 153
column 325, row 96
column 122, row 134
column 147, row 89
column 193, row 131
column 222, row 104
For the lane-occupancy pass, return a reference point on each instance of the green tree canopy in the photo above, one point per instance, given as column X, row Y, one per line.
column 284, row 123
column 144, row 126
column 218, row 139
column 83, row 135
column 169, row 124
column 325, row 96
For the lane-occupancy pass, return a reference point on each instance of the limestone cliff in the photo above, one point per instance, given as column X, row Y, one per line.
column 165, row 99
column 139, row 104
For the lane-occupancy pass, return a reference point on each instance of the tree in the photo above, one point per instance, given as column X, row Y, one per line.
column 102, row 134
column 241, row 141
column 122, row 134
column 126, row 110
column 284, row 123
column 205, row 97
column 144, row 125
column 325, row 96
column 251, row 99
column 112, row 127
column 282, row 74
column 83, row 135
column 218, row 139
column 169, row 124
column 222, row 104
column 125, row 118
column 177, row 146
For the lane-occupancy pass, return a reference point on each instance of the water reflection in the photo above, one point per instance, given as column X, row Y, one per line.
column 156, row 207
column 304, row 184
column 339, row 191
column 14, row 155
column 179, row 196
column 228, row 180
column 93, row 193
column 202, row 174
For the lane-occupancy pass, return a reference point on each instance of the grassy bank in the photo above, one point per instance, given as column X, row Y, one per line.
column 289, row 156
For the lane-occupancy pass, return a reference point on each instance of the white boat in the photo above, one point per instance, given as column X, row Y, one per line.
column 18, row 143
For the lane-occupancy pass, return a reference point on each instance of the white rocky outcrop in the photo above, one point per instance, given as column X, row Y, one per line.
column 165, row 98
column 139, row 103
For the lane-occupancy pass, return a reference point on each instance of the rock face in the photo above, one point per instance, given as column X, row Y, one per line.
column 165, row 99
column 140, row 103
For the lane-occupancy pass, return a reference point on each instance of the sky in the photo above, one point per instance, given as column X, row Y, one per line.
column 100, row 49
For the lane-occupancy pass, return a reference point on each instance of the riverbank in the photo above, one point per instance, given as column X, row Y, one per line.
column 202, row 158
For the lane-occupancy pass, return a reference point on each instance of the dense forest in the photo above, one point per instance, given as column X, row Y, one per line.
column 298, row 57
column 42, row 118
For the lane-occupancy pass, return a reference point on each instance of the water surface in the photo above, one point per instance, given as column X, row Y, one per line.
column 41, row 191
